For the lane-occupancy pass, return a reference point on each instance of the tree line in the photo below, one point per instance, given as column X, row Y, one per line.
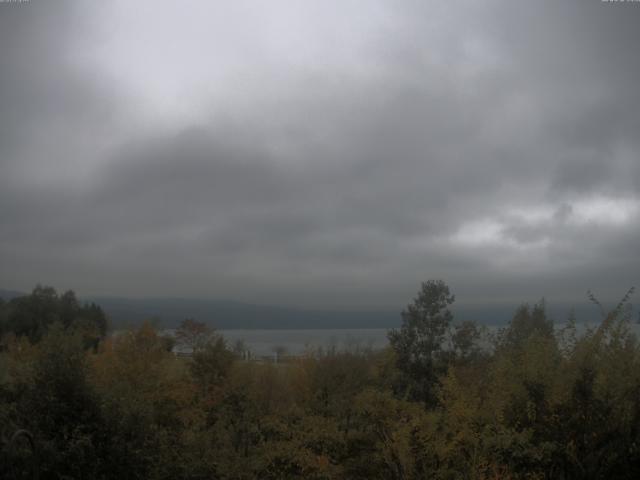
column 444, row 400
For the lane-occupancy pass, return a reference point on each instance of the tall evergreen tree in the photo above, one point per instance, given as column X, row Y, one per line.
column 418, row 344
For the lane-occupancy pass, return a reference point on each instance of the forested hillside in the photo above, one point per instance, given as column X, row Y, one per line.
column 445, row 400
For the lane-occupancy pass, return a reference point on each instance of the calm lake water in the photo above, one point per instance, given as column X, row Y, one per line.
column 297, row 342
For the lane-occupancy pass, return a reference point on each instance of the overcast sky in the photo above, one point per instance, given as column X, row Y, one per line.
column 320, row 153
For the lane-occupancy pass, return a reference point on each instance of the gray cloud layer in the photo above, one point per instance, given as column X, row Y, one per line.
column 493, row 144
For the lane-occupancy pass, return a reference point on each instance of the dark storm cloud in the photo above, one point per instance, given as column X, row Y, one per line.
column 494, row 145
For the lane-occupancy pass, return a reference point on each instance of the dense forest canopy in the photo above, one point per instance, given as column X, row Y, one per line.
column 445, row 400
column 32, row 315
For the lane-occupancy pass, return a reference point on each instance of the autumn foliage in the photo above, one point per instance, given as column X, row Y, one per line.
column 443, row 401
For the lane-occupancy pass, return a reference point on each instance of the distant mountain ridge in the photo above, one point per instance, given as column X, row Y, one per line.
column 225, row 314
column 126, row 312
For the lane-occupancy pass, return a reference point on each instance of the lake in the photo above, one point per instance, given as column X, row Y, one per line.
column 297, row 342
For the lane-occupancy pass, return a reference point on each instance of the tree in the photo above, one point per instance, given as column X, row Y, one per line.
column 418, row 344
column 192, row 335
column 526, row 322
column 464, row 341
column 62, row 409
column 211, row 364
column 32, row 315
column 147, row 400
column 3, row 320
column 240, row 348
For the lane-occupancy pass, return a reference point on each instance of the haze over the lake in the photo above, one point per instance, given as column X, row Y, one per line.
column 321, row 153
